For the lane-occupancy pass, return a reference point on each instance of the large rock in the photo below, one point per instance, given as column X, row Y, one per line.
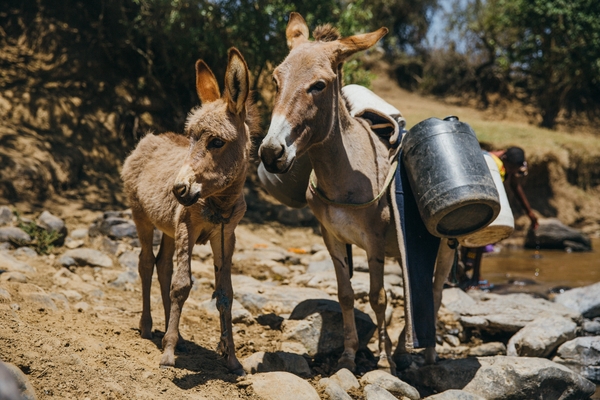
column 265, row 297
column 501, row 313
column 585, row 300
column 282, row 385
column 390, row 383
column 515, row 378
column 52, row 223
column 553, row 234
column 9, row 263
column 6, row 215
column 14, row 234
column 454, row 394
column 277, row 361
column 333, row 390
column 581, row 355
column 85, row 256
column 541, row 337
column 318, row 325
column 374, row 392
column 14, row 384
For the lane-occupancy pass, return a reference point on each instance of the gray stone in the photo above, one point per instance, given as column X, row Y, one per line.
column 264, row 297
column 345, row 379
column 130, row 260
column 60, row 299
column 488, row 349
column 41, row 301
column 585, row 300
column 110, row 246
column 391, row 383
column 238, row 312
column 85, row 256
column 500, row 377
column 14, row 383
column 454, row 394
column 6, row 215
column 51, row 223
column 79, row 234
column 13, row 276
column 501, row 313
column 72, row 295
column 581, row 355
column 592, row 327
column 374, row 392
column 333, row 390
column 14, row 234
column 280, row 270
column 4, row 246
column 81, row 306
column 318, row 325
column 25, row 252
column 320, row 266
column 125, row 279
column 277, row 361
column 66, row 261
column 282, row 385
column 541, row 337
column 9, row 263
column 73, row 244
column 553, row 234
column 117, row 228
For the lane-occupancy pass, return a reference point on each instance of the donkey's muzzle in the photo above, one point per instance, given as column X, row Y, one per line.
column 273, row 158
column 184, row 194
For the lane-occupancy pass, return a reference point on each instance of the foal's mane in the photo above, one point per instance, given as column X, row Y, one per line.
column 326, row 33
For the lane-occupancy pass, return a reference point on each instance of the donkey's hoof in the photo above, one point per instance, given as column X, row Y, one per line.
column 167, row 360
column 402, row 360
column 238, row 371
column 346, row 363
column 146, row 334
column 146, row 329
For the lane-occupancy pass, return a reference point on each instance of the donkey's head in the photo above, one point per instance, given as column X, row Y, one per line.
column 218, row 134
column 308, row 88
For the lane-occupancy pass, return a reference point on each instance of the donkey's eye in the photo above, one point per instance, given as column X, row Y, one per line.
column 216, row 143
column 317, row 87
column 276, row 84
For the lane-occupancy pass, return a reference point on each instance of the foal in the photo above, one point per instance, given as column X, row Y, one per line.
column 350, row 162
column 190, row 187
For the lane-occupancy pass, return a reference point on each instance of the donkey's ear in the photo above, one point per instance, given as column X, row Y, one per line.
column 296, row 31
column 237, row 82
column 352, row 44
column 207, row 86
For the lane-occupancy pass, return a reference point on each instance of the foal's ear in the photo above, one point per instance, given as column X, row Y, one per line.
column 207, row 86
column 237, row 82
column 352, row 44
column 296, row 31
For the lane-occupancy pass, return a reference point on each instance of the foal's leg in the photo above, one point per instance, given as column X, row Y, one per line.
column 180, row 288
column 337, row 250
column 222, row 254
column 378, row 301
column 145, row 231
column 164, row 269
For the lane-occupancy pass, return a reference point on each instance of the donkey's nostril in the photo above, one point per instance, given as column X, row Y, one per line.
column 280, row 153
column 180, row 189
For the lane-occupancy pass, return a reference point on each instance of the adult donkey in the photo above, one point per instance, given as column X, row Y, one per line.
column 350, row 164
column 190, row 187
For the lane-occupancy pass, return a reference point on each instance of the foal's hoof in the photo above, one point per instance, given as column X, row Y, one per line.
column 238, row 371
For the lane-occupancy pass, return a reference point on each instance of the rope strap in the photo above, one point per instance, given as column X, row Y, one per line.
column 315, row 190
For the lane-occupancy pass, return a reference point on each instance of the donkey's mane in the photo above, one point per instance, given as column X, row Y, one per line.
column 326, row 33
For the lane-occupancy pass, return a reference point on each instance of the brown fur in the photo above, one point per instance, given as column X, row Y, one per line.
column 326, row 33
column 350, row 165
column 190, row 187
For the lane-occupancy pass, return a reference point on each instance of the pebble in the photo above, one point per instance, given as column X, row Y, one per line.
column 277, row 361
column 6, row 215
column 14, row 234
column 391, row 383
column 282, row 385
column 333, row 389
column 13, row 276
column 25, row 252
column 375, row 392
column 488, row 349
column 85, row 256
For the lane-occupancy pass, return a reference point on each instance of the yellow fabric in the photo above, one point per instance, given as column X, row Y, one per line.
column 500, row 165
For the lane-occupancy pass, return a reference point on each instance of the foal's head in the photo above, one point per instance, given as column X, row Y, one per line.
column 219, row 133
column 308, row 86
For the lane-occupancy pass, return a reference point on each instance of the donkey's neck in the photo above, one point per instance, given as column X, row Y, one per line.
column 350, row 164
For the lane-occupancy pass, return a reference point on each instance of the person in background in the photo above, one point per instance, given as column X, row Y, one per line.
column 512, row 166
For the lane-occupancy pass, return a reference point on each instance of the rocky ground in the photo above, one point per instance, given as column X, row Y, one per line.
column 69, row 324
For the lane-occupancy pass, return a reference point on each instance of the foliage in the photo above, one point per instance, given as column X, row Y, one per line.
column 548, row 51
column 42, row 240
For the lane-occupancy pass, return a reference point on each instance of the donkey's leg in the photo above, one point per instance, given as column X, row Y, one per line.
column 222, row 248
column 180, row 289
column 337, row 250
column 145, row 231
column 378, row 301
column 443, row 265
column 164, row 269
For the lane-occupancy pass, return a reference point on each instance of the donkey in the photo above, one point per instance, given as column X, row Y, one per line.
column 190, row 187
column 350, row 163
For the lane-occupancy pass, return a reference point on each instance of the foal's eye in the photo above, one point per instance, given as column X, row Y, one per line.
column 216, row 143
column 276, row 85
column 317, row 87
